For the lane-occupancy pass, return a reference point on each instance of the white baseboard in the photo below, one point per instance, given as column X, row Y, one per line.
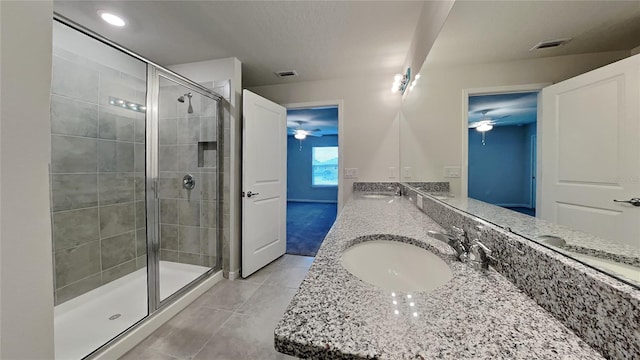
column 314, row 201
column 153, row 322
column 233, row 275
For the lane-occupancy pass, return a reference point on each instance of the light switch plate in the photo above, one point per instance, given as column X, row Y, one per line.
column 407, row 172
column 452, row 171
column 392, row 172
column 419, row 201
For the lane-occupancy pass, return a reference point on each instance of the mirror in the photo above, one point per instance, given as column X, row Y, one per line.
column 459, row 120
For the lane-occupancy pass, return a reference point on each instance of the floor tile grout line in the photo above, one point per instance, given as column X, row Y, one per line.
column 214, row 333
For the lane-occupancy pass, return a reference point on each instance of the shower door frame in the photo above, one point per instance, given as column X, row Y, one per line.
column 154, row 71
column 152, row 183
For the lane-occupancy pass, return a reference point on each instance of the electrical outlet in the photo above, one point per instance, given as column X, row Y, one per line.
column 407, row 172
column 350, row 173
column 452, row 171
column 419, row 201
column 392, row 172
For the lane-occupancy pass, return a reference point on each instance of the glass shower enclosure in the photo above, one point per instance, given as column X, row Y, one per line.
column 135, row 181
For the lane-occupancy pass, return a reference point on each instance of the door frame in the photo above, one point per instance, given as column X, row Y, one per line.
column 464, row 176
column 340, row 105
column 533, row 176
column 152, row 176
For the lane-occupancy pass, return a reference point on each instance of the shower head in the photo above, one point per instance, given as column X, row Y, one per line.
column 181, row 99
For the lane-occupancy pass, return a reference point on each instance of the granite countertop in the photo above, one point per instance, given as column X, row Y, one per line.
column 531, row 227
column 475, row 315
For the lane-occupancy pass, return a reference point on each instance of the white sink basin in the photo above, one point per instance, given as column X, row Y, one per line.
column 396, row 266
column 377, row 195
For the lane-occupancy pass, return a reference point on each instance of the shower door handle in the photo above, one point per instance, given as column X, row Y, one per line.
column 632, row 201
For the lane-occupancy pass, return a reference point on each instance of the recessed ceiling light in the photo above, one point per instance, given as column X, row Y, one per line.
column 112, row 19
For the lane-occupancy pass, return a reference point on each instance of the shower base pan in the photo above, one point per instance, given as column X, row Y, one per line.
column 88, row 321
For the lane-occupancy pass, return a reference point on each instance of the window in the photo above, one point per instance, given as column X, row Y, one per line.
column 324, row 166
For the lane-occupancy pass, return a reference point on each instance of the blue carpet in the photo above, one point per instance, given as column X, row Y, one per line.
column 307, row 225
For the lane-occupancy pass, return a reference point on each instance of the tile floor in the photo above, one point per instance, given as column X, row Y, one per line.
column 233, row 320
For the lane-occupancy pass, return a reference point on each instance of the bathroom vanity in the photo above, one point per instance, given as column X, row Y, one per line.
column 514, row 309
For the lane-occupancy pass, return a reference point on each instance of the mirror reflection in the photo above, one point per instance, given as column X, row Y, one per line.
column 544, row 142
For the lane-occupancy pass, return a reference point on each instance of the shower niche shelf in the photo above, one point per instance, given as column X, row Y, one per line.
column 207, row 154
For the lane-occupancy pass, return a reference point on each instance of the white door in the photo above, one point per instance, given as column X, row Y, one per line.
column 264, row 182
column 590, row 152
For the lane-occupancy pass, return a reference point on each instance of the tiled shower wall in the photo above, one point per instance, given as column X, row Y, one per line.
column 97, row 174
column 188, row 144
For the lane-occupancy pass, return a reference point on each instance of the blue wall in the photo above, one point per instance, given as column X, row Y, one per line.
column 499, row 172
column 299, row 170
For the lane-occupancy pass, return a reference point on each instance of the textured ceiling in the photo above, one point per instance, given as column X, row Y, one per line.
column 334, row 39
column 504, row 109
column 318, row 39
column 491, row 31
column 323, row 118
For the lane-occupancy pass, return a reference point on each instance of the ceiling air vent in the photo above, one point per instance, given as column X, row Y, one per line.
column 286, row 73
column 550, row 44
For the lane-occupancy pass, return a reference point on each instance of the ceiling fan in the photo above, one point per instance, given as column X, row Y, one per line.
column 299, row 133
column 485, row 123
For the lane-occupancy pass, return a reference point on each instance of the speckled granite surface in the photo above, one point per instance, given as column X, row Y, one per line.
column 477, row 314
column 531, row 227
column 600, row 309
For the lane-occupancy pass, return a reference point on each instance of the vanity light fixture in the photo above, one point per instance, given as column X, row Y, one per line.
column 112, row 19
column 413, row 83
column 401, row 81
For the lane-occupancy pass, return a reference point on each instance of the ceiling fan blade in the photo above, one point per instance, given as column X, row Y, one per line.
column 315, row 135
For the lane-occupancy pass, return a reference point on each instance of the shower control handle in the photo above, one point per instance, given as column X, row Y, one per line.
column 633, row 201
column 250, row 194
column 188, row 182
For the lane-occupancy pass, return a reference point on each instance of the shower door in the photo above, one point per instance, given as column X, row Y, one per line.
column 183, row 203
column 135, row 181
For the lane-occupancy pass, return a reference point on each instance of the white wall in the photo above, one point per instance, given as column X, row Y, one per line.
column 26, row 299
column 214, row 70
column 370, row 125
column 432, row 18
column 432, row 113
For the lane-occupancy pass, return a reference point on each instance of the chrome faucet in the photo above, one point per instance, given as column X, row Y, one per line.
column 479, row 255
column 473, row 252
column 398, row 191
column 458, row 240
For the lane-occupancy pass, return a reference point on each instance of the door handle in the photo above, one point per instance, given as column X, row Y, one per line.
column 633, row 201
column 250, row 194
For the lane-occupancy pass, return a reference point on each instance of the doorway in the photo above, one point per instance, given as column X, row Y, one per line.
column 313, row 156
column 501, row 129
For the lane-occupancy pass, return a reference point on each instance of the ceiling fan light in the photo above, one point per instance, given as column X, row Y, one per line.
column 300, row 135
column 484, row 127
